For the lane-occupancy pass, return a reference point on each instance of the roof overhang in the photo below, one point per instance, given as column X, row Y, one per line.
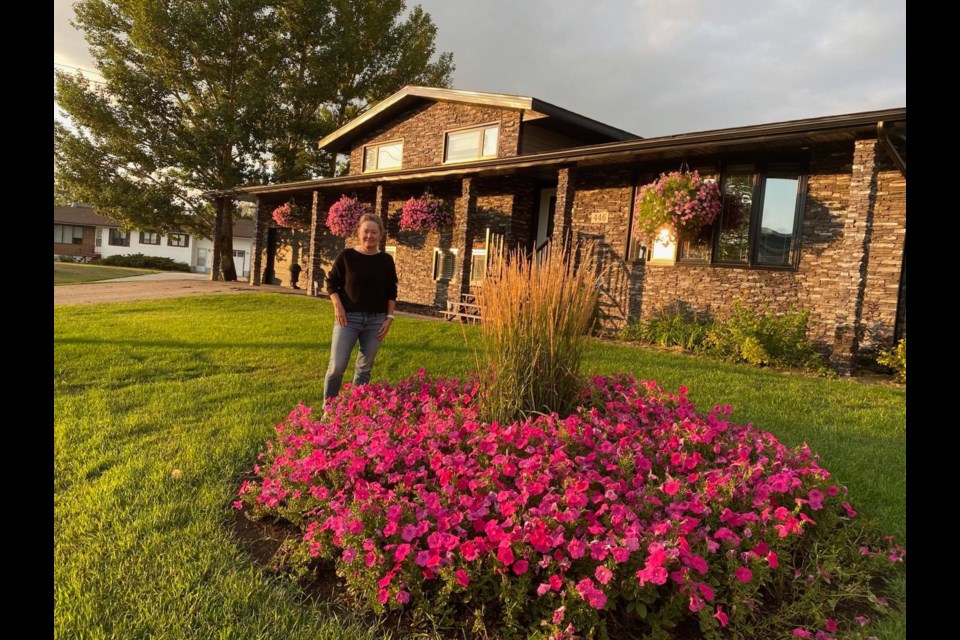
column 809, row 131
column 410, row 96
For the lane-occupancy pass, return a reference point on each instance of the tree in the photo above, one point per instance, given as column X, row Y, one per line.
column 210, row 95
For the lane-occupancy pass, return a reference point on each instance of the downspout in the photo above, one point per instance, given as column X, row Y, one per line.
column 883, row 134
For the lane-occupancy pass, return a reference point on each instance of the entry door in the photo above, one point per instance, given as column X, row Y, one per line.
column 240, row 261
column 548, row 203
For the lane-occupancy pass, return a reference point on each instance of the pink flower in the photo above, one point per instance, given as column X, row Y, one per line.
column 849, row 510
column 462, row 578
column 382, row 596
column 402, row 552
column 403, row 597
column 800, row 633
column 576, row 548
column 721, row 616
column 743, row 574
column 558, row 615
column 831, row 625
column 705, row 590
column 237, row 504
column 469, row 551
column 505, row 554
column 862, row 620
column 603, row 575
column 772, row 560
column 671, row 487
column 520, row 567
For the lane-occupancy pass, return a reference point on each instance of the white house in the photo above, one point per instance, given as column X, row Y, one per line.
column 80, row 231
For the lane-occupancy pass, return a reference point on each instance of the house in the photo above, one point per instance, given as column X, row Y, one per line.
column 823, row 226
column 81, row 232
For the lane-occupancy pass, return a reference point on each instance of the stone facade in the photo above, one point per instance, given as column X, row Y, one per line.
column 423, row 129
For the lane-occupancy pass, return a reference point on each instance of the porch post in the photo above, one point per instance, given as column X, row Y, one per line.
column 260, row 228
column 563, row 215
column 852, row 267
column 380, row 209
column 465, row 213
column 316, row 235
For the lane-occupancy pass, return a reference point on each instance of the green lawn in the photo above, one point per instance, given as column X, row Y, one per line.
column 196, row 384
column 73, row 273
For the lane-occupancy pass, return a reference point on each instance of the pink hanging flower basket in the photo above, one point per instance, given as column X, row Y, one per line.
column 292, row 215
column 680, row 201
column 344, row 216
column 424, row 214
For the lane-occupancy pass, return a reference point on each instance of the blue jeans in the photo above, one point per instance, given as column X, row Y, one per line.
column 362, row 327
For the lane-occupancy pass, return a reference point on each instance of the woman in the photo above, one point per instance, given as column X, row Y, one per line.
column 363, row 288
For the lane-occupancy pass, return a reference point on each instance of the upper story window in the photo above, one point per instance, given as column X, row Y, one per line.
column 67, row 234
column 178, row 240
column 471, row 144
column 381, row 157
column 149, row 237
column 759, row 225
column 119, row 238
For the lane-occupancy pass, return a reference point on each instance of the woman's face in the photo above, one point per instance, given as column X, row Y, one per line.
column 369, row 235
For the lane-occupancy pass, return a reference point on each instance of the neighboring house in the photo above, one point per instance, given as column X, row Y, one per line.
column 824, row 227
column 80, row 231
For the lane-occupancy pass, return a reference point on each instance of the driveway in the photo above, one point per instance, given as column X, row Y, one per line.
column 156, row 285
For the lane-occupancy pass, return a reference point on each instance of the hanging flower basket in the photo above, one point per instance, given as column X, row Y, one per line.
column 424, row 214
column 292, row 215
column 680, row 201
column 344, row 216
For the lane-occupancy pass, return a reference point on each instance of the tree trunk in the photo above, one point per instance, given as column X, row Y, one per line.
column 223, row 241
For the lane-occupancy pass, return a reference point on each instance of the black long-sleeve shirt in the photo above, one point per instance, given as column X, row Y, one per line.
column 363, row 282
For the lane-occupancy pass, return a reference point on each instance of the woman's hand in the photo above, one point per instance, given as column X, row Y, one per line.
column 340, row 313
column 384, row 328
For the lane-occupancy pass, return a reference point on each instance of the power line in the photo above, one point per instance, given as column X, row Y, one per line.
column 82, row 70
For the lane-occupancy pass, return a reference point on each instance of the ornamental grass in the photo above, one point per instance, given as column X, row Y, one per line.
column 536, row 320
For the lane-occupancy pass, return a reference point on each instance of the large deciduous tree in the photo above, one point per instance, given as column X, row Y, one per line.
column 209, row 95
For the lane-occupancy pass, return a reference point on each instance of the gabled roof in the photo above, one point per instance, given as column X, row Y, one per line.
column 410, row 95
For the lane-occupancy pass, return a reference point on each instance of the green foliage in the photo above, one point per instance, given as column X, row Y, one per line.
column 896, row 359
column 672, row 326
column 145, row 262
column 536, row 321
column 763, row 338
column 197, row 96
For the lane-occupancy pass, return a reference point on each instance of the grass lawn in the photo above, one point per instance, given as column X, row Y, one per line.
column 73, row 273
column 196, row 384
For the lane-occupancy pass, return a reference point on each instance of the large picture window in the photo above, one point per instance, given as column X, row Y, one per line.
column 66, row 234
column 381, row 157
column 471, row 144
column 759, row 223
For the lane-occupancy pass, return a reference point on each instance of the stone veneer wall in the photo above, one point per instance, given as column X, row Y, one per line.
column 423, row 128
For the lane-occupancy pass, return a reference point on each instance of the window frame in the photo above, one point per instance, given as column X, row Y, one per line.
column 114, row 241
column 74, row 239
column 480, row 129
column 762, row 171
column 440, row 257
column 186, row 240
column 153, row 233
column 474, row 254
column 377, row 145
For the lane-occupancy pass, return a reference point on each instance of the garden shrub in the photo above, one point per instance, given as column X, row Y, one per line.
column 672, row 326
column 634, row 516
column 537, row 316
column 763, row 338
column 896, row 359
column 142, row 261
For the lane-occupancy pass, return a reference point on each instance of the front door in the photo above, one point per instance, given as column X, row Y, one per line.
column 548, row 204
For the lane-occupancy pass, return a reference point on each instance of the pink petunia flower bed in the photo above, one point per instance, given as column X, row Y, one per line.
column 636, row 512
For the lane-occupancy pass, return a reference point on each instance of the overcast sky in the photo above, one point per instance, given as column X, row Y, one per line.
column 660, row 67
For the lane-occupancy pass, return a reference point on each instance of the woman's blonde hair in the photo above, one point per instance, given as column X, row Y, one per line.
column 371, row 217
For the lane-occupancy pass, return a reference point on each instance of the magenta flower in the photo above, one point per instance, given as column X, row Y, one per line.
column 721, row 616
column 603, row 575
column 743, row 574
column 462, row 578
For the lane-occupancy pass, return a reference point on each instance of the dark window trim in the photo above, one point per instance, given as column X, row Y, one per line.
column 142, row 241
column 185, row 244
column 112, row 239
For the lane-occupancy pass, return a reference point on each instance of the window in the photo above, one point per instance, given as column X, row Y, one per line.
column 381, row 157
column 149, row 237
column 202, row 257
column 471, row 144
column 65, row 234
column 759, row 223
column 178, row 240
column 119, row 238
column 478, row 266
column 444, row 263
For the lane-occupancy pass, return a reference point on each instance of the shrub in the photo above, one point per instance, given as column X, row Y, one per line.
column 896, row 359
column 145, row 262
column 763, row 338
column 536, row 320
column 671, row 326
column 634, row 513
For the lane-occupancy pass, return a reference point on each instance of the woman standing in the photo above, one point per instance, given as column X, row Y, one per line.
column 363, row 288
